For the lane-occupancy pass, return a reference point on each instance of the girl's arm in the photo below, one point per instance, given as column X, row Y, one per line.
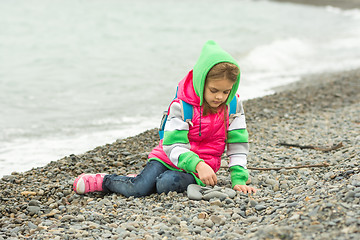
column 176, row 143
column 238, row 146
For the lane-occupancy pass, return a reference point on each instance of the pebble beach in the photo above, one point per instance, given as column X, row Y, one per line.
column 307, row 202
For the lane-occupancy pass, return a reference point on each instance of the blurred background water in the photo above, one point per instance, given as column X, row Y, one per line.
column 76, row 74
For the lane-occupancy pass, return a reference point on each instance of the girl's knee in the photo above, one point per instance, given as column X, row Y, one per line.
column 172, row 181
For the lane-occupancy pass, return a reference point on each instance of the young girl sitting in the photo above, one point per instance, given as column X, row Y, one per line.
column 190, row 151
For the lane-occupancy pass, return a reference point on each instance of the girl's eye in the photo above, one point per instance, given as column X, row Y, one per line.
column 213, row 90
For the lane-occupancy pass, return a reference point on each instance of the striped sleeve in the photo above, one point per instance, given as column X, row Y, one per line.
column 176, row 143
column 238, row 145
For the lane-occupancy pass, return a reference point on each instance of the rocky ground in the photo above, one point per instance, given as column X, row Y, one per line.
column 303, row 203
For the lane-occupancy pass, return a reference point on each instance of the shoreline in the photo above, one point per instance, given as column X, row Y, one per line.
column 343, row 4
column 307, row 203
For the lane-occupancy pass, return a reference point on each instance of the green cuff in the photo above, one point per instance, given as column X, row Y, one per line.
column 238, row 136
column 176, row 136
column 188, row 161
column 198, row 181
column 239, row 175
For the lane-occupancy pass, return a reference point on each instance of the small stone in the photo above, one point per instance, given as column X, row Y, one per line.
column 260, row 207
column 33, row 209
column 34, row 203
column 52, row 213
column 26, row 193
column 294, row 217
column 329, row 175
column 41, row 192
column 253, row 203
column 272, row 182
column 203, row 215
column 252, row 219
column 67, row 218
column 230, row 192
column 193, row 192
column 216, row 202
column 125, row 153
column 80, row 218
column 198, row 222
column 235, row 216
column 356, row 183
column 215, row 219
column 224, row 163
column 293, row 204
column 113, row 225
column 32, row 225
column 174, row 220
column 148, row 237
column 215, row 194
column 209, row 223
column 311, row 182
column 316, row 227
column 349, row 194
column 158, row 209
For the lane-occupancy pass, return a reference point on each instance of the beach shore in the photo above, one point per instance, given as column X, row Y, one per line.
column 320, row 202
column 343, row 4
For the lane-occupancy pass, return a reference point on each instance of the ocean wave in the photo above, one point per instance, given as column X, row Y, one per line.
column 353, row 13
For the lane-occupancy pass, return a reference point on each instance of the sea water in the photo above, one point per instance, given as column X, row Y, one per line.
column 77, row 74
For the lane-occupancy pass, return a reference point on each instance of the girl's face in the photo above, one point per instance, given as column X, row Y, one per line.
column 217, row 91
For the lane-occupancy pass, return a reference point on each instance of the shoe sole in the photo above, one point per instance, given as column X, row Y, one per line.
column 76, row 185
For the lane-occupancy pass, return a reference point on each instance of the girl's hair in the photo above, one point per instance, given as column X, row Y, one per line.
column 220, row 71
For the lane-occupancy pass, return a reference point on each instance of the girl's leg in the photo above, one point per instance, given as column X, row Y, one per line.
column 174, row 181
column 143, row 184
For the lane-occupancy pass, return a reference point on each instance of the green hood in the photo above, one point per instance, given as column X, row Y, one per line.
column 211, row 55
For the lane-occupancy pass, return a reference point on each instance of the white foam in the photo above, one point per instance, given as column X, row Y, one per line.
column 279, row 55
column 284, row 61
column 353, row 13
column 271, row 65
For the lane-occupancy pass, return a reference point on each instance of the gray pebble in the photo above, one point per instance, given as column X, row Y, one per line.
column 215, row 219
column 209, row 223
column 32, row 225
column 33, row 209
column 35, row 203
column 198, row 222
column 215, row 194
column 253, row 203
column 67, row 218
column 193, row 192
column 230, row 192
column 349, row 194
column 80, row 218
column 174, row 220
column 252, row 219
column 260, row 207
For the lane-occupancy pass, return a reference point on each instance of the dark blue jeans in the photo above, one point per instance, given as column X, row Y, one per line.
column 154, row 178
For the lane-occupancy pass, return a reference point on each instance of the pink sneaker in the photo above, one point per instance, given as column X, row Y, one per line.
column 86, row 183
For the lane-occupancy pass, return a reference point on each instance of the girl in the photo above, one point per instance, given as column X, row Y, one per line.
column 190, row 152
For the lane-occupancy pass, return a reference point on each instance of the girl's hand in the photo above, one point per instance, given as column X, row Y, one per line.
column 206, row 174
column 245, row 189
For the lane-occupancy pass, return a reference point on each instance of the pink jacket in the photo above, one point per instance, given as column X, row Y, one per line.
column 210, row 144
